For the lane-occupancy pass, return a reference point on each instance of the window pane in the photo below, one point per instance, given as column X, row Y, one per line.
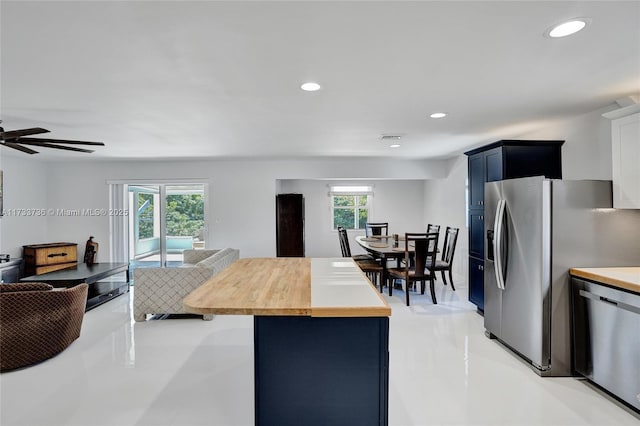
column 344, row 218
column 363, row 216
column 343, row 200
column 362, row 200
column 145, row 216
column 185, row 214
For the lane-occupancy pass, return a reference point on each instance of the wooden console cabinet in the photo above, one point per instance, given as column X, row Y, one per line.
column 43, row 258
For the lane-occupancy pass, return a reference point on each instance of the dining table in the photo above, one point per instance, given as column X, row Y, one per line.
column 385, row 248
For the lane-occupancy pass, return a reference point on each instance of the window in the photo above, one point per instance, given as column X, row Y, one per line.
column 185, row 211
column 350, row 206
column 145, row 206
column 166, row 219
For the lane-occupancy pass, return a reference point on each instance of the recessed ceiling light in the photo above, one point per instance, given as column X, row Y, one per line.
column 395, row 145
column 567, row 28
column 310, row 87
column 438, row 115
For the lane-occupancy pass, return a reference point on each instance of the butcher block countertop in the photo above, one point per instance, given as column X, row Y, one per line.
column 326, row 287
column 627, row 278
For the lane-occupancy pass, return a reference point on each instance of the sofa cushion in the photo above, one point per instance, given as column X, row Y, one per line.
column 226, row 260
column 211, row 261
column 191, row 257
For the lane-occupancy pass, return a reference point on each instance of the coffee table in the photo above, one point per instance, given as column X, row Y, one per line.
column 100, row 290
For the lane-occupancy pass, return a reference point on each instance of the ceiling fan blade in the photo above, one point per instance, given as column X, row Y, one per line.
column 50, row 145
column 19, row 148
column 38, row 141
column 12, row 134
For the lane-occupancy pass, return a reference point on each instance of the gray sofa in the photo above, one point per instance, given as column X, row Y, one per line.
column 161, row 290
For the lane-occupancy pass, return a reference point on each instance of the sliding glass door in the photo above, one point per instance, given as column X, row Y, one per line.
column 165, row 220
column 183, row 219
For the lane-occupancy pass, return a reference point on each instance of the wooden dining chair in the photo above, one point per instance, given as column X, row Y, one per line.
column 448, row 250
column 368, row 265
column 431, row 228
column 376, row 228
column 346, row 248
column 419, row 265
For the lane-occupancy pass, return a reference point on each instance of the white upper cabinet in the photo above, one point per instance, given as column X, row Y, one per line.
column 625, row 138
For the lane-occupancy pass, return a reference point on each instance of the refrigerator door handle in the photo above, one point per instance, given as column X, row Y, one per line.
column 498, row 228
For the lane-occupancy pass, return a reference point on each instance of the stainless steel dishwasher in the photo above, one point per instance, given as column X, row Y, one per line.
column 606, row 337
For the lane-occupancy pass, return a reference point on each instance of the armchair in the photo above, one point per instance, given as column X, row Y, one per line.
column 38, row 322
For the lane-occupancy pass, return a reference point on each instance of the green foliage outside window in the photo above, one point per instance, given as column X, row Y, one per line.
column 185, row 214
column 145, row 216
column 346, row 208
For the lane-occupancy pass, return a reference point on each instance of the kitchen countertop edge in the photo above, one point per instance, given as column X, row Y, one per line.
column 627, row 278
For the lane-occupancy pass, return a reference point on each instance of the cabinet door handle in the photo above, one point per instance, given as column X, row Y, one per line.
column 621, row 305
column 57, row 254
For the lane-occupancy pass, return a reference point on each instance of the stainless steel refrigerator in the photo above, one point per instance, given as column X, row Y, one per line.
column 535, row 230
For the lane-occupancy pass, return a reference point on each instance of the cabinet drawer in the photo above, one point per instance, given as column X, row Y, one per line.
column 50, row 254
column 39, row 270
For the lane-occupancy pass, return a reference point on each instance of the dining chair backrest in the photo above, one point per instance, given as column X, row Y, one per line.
column 344, row 242
column 449, row 246
column 376, row 228
column 433, row 228
column 425, row 248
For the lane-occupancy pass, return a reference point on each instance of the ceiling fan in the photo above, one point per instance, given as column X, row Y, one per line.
column 15, row 139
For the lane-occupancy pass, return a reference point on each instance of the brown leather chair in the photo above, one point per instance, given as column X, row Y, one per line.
column 419, row 262
column 37, row 322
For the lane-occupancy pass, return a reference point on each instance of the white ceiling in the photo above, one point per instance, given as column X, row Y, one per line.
column 218, row 79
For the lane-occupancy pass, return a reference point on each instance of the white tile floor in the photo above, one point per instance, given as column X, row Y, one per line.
column 443, row 371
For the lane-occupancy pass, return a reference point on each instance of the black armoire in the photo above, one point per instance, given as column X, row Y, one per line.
column 505, row 159
column 289, row 225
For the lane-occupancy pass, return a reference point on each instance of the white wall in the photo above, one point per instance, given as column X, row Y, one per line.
column 586, row 154
column 242, row 194
column 1, row 155
column 243, row 191
column 399, row 202
column 25, row 198
column 445, row 205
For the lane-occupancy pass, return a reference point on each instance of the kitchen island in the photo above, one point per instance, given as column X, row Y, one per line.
column 321, row 338
column 606, row 329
